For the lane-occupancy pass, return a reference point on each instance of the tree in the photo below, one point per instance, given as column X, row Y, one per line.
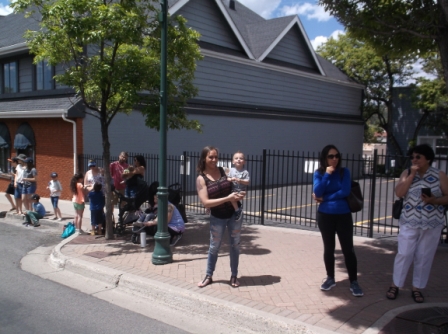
column 397, row 26
column 431, row 95
column 110, row 51
column 378, row 72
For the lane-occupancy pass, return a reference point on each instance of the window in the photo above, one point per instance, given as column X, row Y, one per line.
column 10, row 78
column 24, row 141
column 438, row 144
column 44, row 76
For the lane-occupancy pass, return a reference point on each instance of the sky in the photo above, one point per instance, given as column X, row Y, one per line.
column 318, row 25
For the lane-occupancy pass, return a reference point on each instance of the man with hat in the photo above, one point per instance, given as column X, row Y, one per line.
column 18, row 182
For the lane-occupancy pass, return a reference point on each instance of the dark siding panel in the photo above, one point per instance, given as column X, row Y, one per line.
column 228, row 133
column 225, row 81
column 293, row 49
column 205, row 17
column 26, row 74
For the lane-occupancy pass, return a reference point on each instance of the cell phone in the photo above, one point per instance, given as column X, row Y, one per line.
column 426, row 191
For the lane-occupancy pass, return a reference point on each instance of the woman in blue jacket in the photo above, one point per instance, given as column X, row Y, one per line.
column 332, row 185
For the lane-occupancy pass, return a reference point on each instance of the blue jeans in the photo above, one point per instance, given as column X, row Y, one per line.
column 217, row 228
column 54, row 201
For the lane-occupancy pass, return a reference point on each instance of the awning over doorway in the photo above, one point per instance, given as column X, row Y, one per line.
column 24, row 137
column 5, row 138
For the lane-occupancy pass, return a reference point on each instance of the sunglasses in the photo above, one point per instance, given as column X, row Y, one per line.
column 415, row 157
column 333, row 156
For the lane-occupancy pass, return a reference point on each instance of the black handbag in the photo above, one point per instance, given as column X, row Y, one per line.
column 397, row 208
column 355, row 199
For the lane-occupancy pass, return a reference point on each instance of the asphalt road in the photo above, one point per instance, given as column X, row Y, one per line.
column 30, row 304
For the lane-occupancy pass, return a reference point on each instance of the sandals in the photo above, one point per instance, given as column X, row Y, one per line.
column 417, row 296
column 392, row 293
column 206, row 281
column 234, row 283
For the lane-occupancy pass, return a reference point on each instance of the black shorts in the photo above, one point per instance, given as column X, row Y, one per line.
column 10, row 189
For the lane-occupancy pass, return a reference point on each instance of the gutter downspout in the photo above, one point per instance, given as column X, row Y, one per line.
column 75, row 153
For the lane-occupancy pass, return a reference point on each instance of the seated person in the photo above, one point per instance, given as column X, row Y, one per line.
column 132, row 175
column 176, row 225
column 38, row 212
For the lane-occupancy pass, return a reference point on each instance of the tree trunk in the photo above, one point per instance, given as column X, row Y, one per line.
column 442, row 42
column 108, row 193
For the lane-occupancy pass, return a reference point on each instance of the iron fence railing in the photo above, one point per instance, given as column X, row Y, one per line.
column 282, row 183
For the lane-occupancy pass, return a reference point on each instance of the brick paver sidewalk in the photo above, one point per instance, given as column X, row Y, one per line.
column 280, row 272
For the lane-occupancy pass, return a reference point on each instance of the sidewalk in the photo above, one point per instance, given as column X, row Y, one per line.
column 280, row 272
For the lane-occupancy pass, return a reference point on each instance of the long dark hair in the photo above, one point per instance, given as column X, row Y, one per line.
column 201, row 163
column 141, row 160
column 74, row 181
column 323, row 158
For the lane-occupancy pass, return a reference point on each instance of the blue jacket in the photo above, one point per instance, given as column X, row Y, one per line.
column 334, row 189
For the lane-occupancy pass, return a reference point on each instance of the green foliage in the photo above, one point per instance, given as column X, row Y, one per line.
column 111, row 55
column 395, row 26
column 378, row 72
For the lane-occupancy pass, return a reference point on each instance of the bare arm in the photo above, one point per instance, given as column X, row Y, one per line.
column 210, row 203
column 405, row 182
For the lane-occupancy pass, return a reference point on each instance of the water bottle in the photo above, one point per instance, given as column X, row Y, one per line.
column 143, row 239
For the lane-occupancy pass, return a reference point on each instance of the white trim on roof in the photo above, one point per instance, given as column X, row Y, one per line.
column 296, row 20
column 178, row 5
column 235, row 30
column 13, row 48
column 240, row 38
column 33, row 113
column 291, row 71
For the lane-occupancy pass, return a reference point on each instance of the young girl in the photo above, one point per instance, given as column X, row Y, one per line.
column 32, row 216
column 55, row 191
column 11, row 189
column 77, row 189
column 240, row 180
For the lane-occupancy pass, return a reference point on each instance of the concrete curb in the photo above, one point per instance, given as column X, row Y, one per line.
column 236, row 317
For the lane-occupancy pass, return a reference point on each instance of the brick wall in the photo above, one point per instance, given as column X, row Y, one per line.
column 54, row 151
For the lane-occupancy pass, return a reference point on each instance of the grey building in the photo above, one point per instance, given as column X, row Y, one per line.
column 261, row 85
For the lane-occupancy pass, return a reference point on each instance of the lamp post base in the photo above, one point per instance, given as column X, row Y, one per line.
column 162, row 251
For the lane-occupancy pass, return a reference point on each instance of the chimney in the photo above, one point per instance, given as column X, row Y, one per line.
column 232, row 4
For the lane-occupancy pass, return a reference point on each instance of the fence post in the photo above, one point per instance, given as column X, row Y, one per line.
column 372, row 193
column 184, row 179
column 263, row 186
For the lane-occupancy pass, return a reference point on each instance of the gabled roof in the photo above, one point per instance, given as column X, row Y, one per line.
column 12, row 28
column 257, row 36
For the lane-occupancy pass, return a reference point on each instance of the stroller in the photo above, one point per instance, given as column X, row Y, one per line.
column 174, row 197
column 129, row 207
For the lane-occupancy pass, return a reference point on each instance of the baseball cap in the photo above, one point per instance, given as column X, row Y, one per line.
column 92, row 163
column 35, row 196
column 28, row 160
column 54, row 174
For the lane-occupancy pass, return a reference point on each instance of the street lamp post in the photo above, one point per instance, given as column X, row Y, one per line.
column 162, row 252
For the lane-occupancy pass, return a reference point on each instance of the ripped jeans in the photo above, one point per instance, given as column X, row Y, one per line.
column 217, row 228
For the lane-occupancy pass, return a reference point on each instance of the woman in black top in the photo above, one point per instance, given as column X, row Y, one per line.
column 215, row 192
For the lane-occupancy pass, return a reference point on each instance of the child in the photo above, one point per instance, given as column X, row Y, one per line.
column 38, row 212
column 240, row 179
column 55, row 191
column 97, row 203
column 77, row 189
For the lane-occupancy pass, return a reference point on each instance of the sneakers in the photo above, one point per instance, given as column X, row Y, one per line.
column 175, row 239
column 356, row 289
column 36, row 225
column 79, row 232
column 328, row 284
column 60, row 219
column 54, row 218
column 238, row 213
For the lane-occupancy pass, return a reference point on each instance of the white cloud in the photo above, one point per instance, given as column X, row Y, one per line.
column 265, row 8
column 5, row 10
column 311, row 11
column 323, row 39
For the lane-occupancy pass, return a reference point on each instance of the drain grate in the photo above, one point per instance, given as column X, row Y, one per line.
column 432, row 320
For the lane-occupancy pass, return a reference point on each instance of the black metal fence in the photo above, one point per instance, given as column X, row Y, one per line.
column 282, row 183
